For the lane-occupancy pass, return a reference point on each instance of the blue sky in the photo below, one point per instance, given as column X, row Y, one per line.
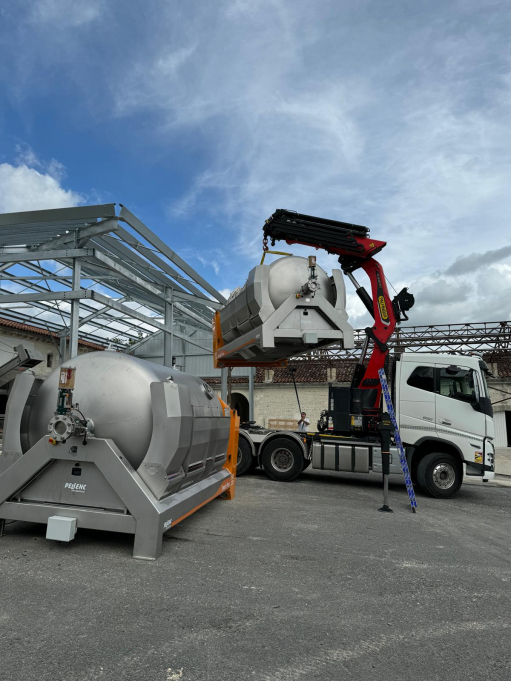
column 203, row 117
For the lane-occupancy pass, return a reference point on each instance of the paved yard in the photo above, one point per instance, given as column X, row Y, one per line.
column 289, row 581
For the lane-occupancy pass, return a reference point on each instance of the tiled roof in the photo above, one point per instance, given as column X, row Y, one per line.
column 503, row 361
column 306, row 372
column 18, row 326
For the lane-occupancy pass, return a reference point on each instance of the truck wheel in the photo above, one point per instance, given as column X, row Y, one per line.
column 282, row 459
column 439, row 475
column 245, row 459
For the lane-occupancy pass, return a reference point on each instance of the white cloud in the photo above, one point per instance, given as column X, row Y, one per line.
column 23, row 188
column 389, row 116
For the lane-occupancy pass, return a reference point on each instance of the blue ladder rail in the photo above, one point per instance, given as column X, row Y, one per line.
column 397, row 438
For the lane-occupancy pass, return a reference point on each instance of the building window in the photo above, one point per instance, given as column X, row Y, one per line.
column 423, row 378
column 49, row 360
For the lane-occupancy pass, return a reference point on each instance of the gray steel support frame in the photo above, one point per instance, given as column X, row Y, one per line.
column 75, row 310
column 223, row 386
column 251, row 380
column 144, row 516
column 168, row 338
column 134, row 265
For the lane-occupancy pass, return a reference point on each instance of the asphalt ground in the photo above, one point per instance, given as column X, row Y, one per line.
column 304, row 580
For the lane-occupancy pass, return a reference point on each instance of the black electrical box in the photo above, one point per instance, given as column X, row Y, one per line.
column 339, row 407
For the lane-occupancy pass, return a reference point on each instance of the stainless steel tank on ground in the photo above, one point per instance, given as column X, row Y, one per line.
column 284, row 308
column 159, row 445
column 114, row 391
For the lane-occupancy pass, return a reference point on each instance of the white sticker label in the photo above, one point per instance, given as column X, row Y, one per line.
column 167, row 524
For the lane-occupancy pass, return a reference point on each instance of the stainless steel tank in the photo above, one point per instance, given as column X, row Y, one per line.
column 266, row 289
column 283, row 310
column 287, row 275
column 113, row 390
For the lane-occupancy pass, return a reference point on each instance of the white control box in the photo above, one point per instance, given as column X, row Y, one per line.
column 61, row 528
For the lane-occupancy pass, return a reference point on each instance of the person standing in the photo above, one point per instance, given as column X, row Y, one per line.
column 303, row 423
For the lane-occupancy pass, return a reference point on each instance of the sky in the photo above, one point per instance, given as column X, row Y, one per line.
column 204, row 117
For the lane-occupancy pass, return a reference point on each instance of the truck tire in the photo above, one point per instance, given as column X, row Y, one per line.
column 246, row 462
column 282, row 459
column 440, row 475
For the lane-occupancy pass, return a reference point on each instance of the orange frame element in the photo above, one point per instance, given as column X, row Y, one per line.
column 221, row 361
column 232, row 453
column 227, row 489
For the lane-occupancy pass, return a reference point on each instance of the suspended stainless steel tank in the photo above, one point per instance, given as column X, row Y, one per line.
column 287, row 275
column 114, row 391
column 284, row 308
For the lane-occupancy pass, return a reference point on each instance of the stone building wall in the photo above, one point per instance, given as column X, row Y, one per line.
column 279, row 401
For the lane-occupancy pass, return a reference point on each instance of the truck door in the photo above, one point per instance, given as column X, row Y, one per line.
column 458, row 387
column 416, row 400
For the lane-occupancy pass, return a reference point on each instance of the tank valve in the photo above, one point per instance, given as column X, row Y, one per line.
column 63, row 426
column 65, row 423
column 312, row 284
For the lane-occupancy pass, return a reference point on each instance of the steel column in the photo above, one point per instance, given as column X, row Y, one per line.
column 75, row 310
column 223, row 391
column 251, row 380
column 168, row 336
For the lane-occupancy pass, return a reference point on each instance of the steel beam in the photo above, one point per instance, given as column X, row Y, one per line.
column 83, row 234
column 112, row 264
column 27, row 256
column 251, row 378
column 168, row 336
column 45, row 295
column 106, row 210
column 155, row 241
column 75, row 310
column 149, row 254
column 223, row 386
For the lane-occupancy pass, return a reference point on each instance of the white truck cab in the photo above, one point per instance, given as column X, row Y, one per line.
column 443, row 405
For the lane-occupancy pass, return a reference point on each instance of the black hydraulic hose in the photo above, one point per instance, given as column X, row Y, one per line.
column 292, row 370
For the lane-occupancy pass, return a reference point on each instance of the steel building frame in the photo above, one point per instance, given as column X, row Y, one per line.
column 107, row 279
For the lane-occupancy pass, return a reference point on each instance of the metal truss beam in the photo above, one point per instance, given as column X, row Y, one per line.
column 440, row 338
